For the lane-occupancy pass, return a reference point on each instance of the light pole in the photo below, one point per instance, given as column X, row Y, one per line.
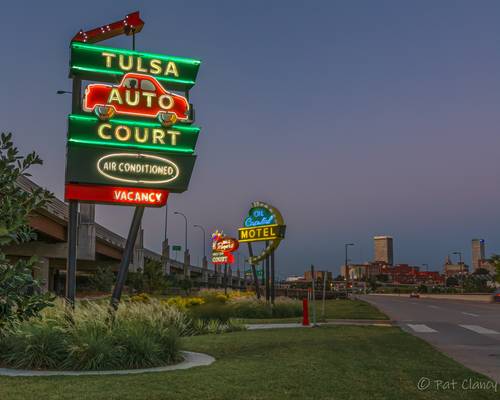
column 347, row 270
column 204, row 238
column 459, row 253
column 185, row 230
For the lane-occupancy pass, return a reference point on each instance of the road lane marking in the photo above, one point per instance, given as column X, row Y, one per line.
column 480, row 329
column 421, row 328
column 471, row 314
column 433, row 306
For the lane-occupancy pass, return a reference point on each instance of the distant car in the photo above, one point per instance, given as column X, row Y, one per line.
column 139, row 95
column 414, row 295
column 496, row 296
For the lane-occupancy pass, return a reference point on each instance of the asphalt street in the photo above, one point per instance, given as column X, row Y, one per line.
column 467, row 331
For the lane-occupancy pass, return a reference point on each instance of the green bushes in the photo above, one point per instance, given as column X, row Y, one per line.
column 252, row 308
column 139, row 335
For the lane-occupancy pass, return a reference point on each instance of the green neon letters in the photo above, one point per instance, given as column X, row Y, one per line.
column 124, row 133
column 108, row 64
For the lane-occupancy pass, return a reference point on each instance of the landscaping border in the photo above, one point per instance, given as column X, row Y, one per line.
column 191, row 360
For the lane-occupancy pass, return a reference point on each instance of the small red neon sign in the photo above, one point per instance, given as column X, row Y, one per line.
column 116, row 195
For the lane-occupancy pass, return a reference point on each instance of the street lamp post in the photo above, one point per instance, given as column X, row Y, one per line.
column 185, row 230
column 347, row 270
column 204, row 238
column 459, row 253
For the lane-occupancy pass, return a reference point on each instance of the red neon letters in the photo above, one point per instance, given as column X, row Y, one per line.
column 116, row 195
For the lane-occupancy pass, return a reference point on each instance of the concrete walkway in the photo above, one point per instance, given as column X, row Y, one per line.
column 191, row 360
column 356, row 322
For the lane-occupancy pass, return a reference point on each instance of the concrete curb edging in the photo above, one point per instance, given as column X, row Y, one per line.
column 191, row 359
column 383, row 323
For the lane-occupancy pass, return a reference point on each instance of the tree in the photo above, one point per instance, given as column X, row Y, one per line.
column 495, row 260
column 103, row 279
column 481, row 271
column 451, row 281
column 20, row 293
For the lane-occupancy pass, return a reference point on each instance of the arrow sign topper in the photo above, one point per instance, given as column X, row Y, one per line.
column 130, row 25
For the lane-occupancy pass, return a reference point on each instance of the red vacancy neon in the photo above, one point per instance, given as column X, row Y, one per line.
column 139, row 95
column 116, row 195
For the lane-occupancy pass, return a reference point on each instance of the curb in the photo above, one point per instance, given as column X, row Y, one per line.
column 379, row 323
column 191, row 360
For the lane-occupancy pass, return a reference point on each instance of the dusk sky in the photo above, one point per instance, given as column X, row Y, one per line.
column 354, row 118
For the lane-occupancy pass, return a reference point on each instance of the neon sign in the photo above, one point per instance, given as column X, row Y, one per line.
column 132, row 134
column 107, row 64
column 160, row 170
column 137, row 95
column 117, row 195
column 264, row 223
column 259, row 216
column 223, row 248
column 133, row 129
column 125, row 166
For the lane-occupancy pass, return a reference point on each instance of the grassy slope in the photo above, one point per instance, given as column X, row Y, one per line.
column 334, row 309
column 323, row 363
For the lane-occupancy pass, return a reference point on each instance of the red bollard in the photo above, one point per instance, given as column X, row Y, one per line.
column 305, row 312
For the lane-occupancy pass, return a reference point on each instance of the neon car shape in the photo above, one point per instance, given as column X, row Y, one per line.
column 139, row 95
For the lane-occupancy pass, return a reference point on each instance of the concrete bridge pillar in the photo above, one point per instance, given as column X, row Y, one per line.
column 41, row 273
column 86, row 232
column 165, row 257
column 204, row 272
column 138, row 260
column 218, row 275
column 187, row 264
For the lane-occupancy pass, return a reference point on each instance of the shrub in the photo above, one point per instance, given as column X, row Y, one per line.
column 212, row 311
column 34, row 344
column 103, row 279
column 140, row 298
column 20, row 296
column 287, row 308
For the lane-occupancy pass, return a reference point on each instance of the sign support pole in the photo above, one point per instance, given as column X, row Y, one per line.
column 127, row 256
column 76, row 95
column 254, row 272
column 273, row 287
column 267, row 277
column 225, row 279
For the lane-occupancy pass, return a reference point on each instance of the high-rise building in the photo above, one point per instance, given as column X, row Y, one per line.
column 383, row 249
column 477, row 253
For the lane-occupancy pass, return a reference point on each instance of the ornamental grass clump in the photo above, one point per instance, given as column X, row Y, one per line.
column 91, row 337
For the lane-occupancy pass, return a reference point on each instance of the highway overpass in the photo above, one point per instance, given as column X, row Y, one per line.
column 97, row 246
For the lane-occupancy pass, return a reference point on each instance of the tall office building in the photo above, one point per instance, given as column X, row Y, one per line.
column 477, row 253
column 383, row 249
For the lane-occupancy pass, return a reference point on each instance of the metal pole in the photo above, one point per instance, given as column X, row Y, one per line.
column 225, row 279
column 254, row 272
column 185, row 230
column 266, row 266
column 204, row 238
column 166, row 220
column 72, row 248
column 346, row 274
column 313, row 295
column 76, row 99
column 273, row 285
column 324, row 294
column 127, row 256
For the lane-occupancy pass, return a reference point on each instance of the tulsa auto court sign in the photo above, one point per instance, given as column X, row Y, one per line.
column 133, row 140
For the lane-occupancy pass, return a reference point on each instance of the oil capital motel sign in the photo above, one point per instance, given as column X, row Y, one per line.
column 132, row 140
column 263, row 223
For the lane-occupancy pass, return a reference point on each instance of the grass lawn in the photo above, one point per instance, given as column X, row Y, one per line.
column 342, row 362
column 334, row 309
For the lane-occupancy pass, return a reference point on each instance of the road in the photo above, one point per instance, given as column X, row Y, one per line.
column 469, row 332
